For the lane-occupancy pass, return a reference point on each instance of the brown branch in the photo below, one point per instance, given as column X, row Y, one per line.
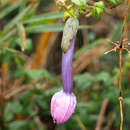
column 101, row 115
column 23, row 88
column 124, row 27
column 40, row 54
column 124, row 30
column 121, row 47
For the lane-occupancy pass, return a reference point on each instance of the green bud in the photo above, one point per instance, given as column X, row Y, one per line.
column 70, row 30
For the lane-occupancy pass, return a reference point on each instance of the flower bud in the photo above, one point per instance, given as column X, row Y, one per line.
column 70, row 30
column 62, row 106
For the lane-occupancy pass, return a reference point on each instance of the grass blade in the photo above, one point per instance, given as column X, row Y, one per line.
column 16, row 19
column 44, row 17
column 9, row 9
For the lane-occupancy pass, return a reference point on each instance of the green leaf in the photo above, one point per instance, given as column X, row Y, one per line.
column 99, row 8
column 83, row 81
column 105, row 77
column 34, row 74
column 40, row 101
column 25, row 98
column 6, row 36
column 29, row 109
column 45, row 28
column 17, row 18
column 127, row 100
column 19, row 125
column 47, row 75
column 44, row 17
column 37, row 74
column 95, row 12
column 79, row 2
column 28, row 46
column 8, row 114
column 19, row 73
column 11, row 109
column 112, row 94
column 9, row 9
column 16, row 107
column 49, row 28
column 100, row 4
column 70, row 12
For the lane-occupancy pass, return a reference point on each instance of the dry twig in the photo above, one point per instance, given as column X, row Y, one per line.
column 120, row 47
column 102, row 112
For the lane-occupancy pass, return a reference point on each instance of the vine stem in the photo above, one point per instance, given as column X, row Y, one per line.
column 120, row 91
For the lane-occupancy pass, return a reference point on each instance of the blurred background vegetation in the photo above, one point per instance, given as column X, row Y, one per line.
column 30, row 68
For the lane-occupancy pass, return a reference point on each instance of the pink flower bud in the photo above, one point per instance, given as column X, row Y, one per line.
column 62, row 106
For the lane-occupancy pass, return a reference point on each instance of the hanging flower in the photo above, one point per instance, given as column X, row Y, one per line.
column 63, row 103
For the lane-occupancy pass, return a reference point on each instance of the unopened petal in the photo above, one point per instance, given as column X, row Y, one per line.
column 62, row 106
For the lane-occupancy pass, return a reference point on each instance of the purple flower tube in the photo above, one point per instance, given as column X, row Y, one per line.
column 67, row 76
column 63, row 103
